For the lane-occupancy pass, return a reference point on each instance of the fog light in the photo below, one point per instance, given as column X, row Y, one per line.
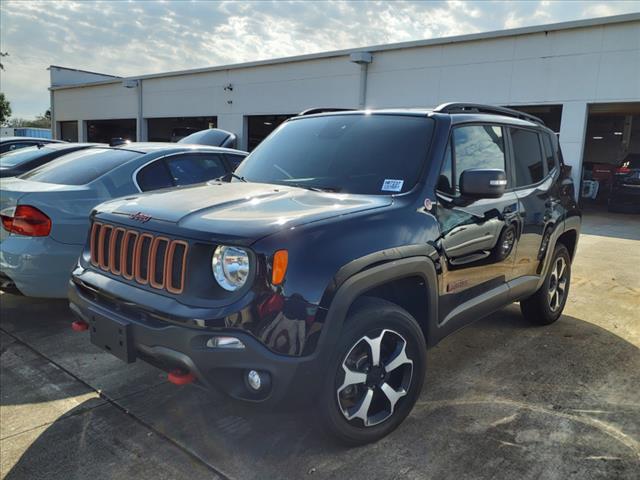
column 254, row 380
column 225, row 342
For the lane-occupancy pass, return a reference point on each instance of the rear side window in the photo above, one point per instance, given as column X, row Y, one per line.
column 548, row 152
column 80, row 168
column 189, row 169
column 8, row 147
column 22, row 156
column 154, row 176
column 529, row 167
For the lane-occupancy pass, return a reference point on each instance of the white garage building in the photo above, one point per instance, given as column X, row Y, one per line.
column 582, row 78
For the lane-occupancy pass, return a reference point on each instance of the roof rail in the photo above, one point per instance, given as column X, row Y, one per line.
column 455, row 107
column 313, row 111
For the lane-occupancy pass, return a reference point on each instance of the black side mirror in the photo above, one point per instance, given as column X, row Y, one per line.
column 483, row 183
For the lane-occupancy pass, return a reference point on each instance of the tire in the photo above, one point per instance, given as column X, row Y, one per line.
column 505, row 243
column 396, row 333
column 545, row 306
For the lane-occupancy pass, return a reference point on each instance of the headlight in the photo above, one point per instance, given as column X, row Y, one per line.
column 230, row 267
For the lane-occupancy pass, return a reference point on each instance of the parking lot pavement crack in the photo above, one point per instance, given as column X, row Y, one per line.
column 604, row 427
column 115, row 403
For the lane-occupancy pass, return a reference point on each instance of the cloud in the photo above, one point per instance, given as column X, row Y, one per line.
column 136, row 37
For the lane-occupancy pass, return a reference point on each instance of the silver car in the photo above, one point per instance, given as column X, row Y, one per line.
column 45, row 211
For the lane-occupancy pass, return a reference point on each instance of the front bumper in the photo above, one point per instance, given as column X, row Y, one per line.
column 171, row 346
column 37, row 266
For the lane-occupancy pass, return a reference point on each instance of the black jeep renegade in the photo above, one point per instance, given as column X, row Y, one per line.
column 340, row 249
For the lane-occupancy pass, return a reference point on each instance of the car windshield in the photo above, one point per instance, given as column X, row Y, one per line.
column 24, row 155
column 80, row 168
column 355, row 153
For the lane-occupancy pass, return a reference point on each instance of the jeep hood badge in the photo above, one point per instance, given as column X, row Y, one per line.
column 140, row 217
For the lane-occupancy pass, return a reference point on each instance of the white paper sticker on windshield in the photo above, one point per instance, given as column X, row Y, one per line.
column 390, row 185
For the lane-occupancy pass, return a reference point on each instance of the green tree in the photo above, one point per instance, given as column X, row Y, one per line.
column 5, row 109
column 41, row 121
column 3, row 54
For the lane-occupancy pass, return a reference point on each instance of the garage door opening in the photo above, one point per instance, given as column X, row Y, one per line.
column 176, row 128
column 68, row 131
column 103, row 131
column 260, row 126
column 611, row 157
column 551, row 115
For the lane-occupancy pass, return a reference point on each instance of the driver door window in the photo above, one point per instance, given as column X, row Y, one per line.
column 473, row 146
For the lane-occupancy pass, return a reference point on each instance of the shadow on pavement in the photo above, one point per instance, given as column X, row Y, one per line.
column 502, row 399
column 97, row 443
column 45, row 326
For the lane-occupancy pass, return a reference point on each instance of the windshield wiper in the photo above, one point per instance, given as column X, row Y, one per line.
column 314, row 188
column 232, row 175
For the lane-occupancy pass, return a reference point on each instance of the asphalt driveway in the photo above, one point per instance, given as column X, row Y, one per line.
column 502, row 398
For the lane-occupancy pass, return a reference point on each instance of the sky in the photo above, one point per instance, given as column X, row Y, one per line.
column 129, row 38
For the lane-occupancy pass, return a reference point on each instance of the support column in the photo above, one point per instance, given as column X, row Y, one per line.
column 55, row 134
column 573, row 129
column 235, row 123
column 363, row 59
column 82, row 131
column 141, row 123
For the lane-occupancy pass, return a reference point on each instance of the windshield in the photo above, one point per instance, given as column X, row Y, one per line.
column 24, row 155
column 360, row 153
column 80, row 168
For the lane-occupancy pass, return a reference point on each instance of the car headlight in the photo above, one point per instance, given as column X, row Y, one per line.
column 230, row 267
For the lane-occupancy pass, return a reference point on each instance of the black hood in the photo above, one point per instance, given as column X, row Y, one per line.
column 244, row 212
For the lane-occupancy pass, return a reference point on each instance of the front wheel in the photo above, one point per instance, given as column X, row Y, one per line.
column 376, row 373
column 545, row 306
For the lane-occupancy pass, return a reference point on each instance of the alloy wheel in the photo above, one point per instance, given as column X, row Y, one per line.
column 377, row 374
column 557, row 284
column 507, row 243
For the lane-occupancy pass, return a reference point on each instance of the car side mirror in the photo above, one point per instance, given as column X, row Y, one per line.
column 483, row 183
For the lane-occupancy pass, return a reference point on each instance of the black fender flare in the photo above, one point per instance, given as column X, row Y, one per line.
column 357, row 284
column 571, row 223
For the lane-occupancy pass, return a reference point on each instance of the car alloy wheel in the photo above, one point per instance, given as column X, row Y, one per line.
column 377, row 374
column 557, row 284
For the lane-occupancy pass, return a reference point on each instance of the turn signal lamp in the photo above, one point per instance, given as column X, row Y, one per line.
column 279, row 270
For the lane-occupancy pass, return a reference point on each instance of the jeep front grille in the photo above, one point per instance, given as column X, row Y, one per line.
column 139, row 256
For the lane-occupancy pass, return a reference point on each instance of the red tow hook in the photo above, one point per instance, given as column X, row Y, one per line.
column 80, row 326
column 180, row 377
